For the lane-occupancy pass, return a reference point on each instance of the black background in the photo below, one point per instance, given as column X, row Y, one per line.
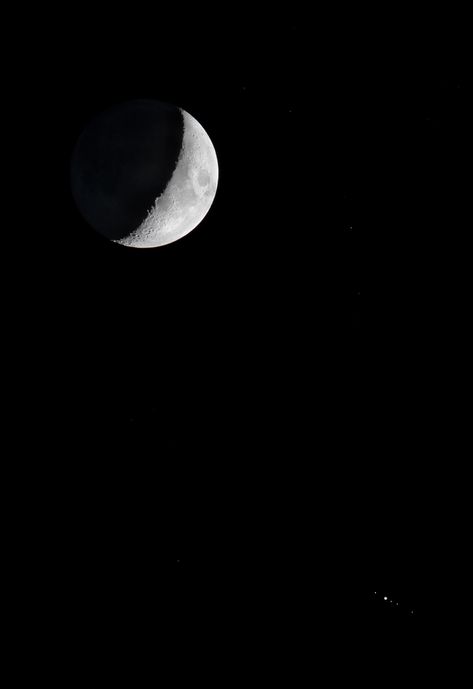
column 283, row 385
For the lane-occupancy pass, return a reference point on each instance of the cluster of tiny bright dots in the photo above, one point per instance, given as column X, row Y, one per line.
column 386, row 599
column 391, row 601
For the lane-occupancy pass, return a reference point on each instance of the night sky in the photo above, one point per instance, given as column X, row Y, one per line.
column 273, row 396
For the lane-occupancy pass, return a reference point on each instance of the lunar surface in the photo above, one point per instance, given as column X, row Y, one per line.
column 144, row 174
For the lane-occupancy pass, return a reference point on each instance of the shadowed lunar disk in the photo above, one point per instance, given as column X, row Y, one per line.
column 144, row 173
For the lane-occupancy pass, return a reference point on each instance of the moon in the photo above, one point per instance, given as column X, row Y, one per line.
column 144, row 173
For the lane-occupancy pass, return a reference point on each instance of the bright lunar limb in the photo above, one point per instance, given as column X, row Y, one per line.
column 188, row 196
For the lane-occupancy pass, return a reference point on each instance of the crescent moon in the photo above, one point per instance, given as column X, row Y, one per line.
column 188, row 196
column 144, row 173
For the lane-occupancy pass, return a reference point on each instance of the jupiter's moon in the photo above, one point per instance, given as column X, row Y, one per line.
column 144, row 173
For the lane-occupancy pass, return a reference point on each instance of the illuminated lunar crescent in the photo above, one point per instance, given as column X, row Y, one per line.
column 144, row 174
